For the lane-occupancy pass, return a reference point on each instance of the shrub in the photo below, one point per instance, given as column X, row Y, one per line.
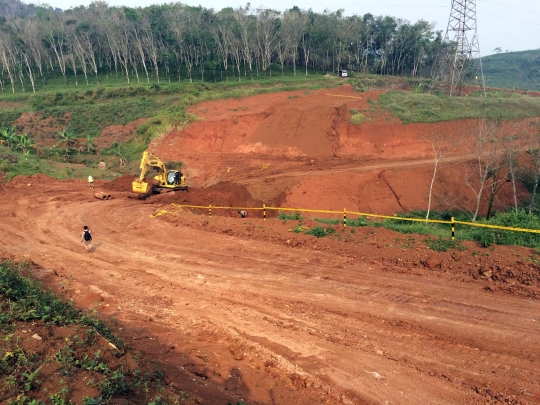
column 358, row 118
column 511, row 219
column 320, row 232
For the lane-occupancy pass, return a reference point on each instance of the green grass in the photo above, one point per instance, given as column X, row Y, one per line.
column 423, row 107
column 289, row 216
column 439, row 234
column 357, row 117
column 320, row 232
column 484, row 236
column 114, row 102
column 519, row 70
column 24, row 305
column 354, row 222
column 24, row 300
column 17, row 164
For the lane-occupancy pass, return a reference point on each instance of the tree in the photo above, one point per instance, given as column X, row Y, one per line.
column 267, row 32
column 68, row 139
column 25, row 144
column 9, row 136
column 485, row 146
column 442, row 144
column 89, row 144
column 293, row 25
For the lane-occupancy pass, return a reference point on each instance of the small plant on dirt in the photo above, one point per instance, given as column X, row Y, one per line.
column 114, row 383
column 442, row 245
column 327, row 221
column 92, row 401
column 299, row 229
column 358, row 118
column 320, row 232
column 360, row 221
column 294, row 216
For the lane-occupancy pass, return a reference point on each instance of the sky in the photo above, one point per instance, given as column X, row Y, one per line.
column 512, row 25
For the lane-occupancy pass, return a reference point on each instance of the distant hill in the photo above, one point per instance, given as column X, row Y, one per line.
column 520, row 70
column 15, row 8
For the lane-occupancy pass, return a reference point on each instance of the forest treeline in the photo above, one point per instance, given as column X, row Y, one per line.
column 178, row 42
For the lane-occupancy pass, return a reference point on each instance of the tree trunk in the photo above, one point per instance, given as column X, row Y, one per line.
column 531, row 205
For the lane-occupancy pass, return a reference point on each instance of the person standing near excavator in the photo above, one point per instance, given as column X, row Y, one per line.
column 91, row 182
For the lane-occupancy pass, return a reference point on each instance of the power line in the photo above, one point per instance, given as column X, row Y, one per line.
column 512, row 19
column 512, row 7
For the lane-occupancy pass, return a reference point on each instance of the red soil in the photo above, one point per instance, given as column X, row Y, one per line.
column 246, row 309
column 241, row 309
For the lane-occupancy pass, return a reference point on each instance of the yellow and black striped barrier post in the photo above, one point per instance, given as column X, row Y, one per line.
column 210, row 210
column 264, row 212
column 453, row 225
column 344, row 217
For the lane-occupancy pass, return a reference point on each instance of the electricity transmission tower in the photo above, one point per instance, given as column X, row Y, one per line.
column 460, row 47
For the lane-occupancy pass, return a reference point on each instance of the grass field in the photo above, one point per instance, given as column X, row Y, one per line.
column 424, row 107
column 513, row 70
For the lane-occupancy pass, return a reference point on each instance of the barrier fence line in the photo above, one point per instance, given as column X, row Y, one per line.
column 503, row 228
column 452, row 221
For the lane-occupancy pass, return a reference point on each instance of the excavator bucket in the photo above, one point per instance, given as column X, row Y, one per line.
column 141, row 187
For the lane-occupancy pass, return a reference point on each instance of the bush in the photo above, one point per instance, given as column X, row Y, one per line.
column 360, row 221
column 320, row 232
column 358, row 118
column 511, row 219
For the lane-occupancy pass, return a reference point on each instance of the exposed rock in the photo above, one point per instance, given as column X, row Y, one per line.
column 433, row 262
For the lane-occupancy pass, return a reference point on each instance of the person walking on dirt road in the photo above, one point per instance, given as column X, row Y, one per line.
column 86, row 238
column 91, row 182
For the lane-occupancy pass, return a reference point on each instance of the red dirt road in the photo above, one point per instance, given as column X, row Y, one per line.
column 247, row 310
column 261, row 322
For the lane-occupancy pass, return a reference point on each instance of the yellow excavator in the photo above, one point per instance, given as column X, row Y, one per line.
column 164, row 180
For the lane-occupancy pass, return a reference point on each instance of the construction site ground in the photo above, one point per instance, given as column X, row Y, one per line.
column 247, row 310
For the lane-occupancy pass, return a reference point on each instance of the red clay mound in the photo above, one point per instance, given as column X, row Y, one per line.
column 122, row 183
column 224, row 193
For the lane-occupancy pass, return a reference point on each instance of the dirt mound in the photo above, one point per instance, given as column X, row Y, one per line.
column 224, row 193
column 310, row 129
column 35, row 179
column 122, row 183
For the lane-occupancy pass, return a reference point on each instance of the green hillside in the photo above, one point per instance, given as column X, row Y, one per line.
column 519, row 70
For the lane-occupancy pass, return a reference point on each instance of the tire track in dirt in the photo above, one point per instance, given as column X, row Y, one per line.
column 357, row 168
column 410, row 331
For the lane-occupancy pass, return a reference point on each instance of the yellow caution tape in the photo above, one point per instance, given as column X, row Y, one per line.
column 362, row 214
column 503, row 228
column 340, row 95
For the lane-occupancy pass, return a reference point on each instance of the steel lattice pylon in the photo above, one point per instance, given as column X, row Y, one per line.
column 460, row 47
